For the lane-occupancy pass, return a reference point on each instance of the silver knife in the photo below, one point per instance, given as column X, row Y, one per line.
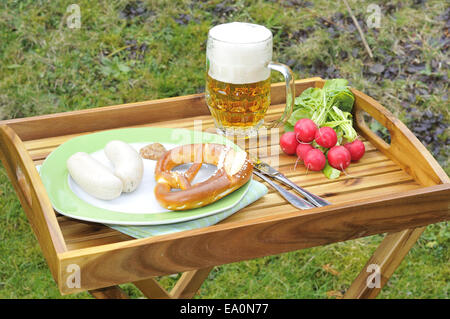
column 295, row 200
column 266, row 169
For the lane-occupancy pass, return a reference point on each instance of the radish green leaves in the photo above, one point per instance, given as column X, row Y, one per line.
column 330, row 106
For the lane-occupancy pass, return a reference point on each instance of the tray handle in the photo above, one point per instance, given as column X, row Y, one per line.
column 32, row 195
column 405, row 149
column 367, row 131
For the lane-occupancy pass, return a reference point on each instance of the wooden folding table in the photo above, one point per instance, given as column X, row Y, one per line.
column 396, row 188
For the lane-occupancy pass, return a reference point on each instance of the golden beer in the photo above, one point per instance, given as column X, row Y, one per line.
column 238, row 66
column 237, row 105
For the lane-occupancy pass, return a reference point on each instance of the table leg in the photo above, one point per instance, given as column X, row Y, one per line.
column 189, row 283
column 152, row 289
column 113, row 292
column 386, row 258
column 186, row 287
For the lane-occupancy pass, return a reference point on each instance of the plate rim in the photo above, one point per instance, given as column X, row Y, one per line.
column 214, row 138
column 185, row 219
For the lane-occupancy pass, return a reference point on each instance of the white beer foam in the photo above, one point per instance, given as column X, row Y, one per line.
column 238, row 52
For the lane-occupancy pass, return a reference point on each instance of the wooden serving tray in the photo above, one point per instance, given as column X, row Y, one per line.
column 395, row 188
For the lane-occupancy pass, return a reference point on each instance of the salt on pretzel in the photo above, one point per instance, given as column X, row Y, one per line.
column 234, row 169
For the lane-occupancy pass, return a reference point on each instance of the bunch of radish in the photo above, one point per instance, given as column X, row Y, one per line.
column 300, row 142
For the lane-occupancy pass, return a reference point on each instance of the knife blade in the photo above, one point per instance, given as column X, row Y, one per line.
column 268, row 170
column 295, row 200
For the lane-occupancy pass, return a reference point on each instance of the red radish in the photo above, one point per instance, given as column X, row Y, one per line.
column 315, row 160
column 302, row 149
column 339, row 157
column 356, row 149
column 305, row 130
column 326, row 137
column 288, row 143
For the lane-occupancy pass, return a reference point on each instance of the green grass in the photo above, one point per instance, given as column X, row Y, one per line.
column 46, row 67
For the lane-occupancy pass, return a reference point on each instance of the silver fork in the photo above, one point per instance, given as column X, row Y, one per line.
column 295, row 200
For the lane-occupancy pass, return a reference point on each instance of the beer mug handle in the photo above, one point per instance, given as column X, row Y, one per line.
column 290, row 93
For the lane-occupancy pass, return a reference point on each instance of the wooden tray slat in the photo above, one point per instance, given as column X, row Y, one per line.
column 80, row 235
column 267, row 210
column 41, row 148
column 84, row 234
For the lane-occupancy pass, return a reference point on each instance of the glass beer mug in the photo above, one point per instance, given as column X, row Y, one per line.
column 238, row 66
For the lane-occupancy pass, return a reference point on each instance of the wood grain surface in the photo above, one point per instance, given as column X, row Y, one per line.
column 384, row 192
column 234, row 241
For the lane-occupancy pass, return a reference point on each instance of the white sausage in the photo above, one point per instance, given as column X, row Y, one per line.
column 93, row 177
column 128, row 164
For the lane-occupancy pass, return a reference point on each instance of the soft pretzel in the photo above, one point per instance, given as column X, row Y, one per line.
column 234, row 169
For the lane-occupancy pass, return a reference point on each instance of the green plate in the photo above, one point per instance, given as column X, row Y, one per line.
column 136, row 208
